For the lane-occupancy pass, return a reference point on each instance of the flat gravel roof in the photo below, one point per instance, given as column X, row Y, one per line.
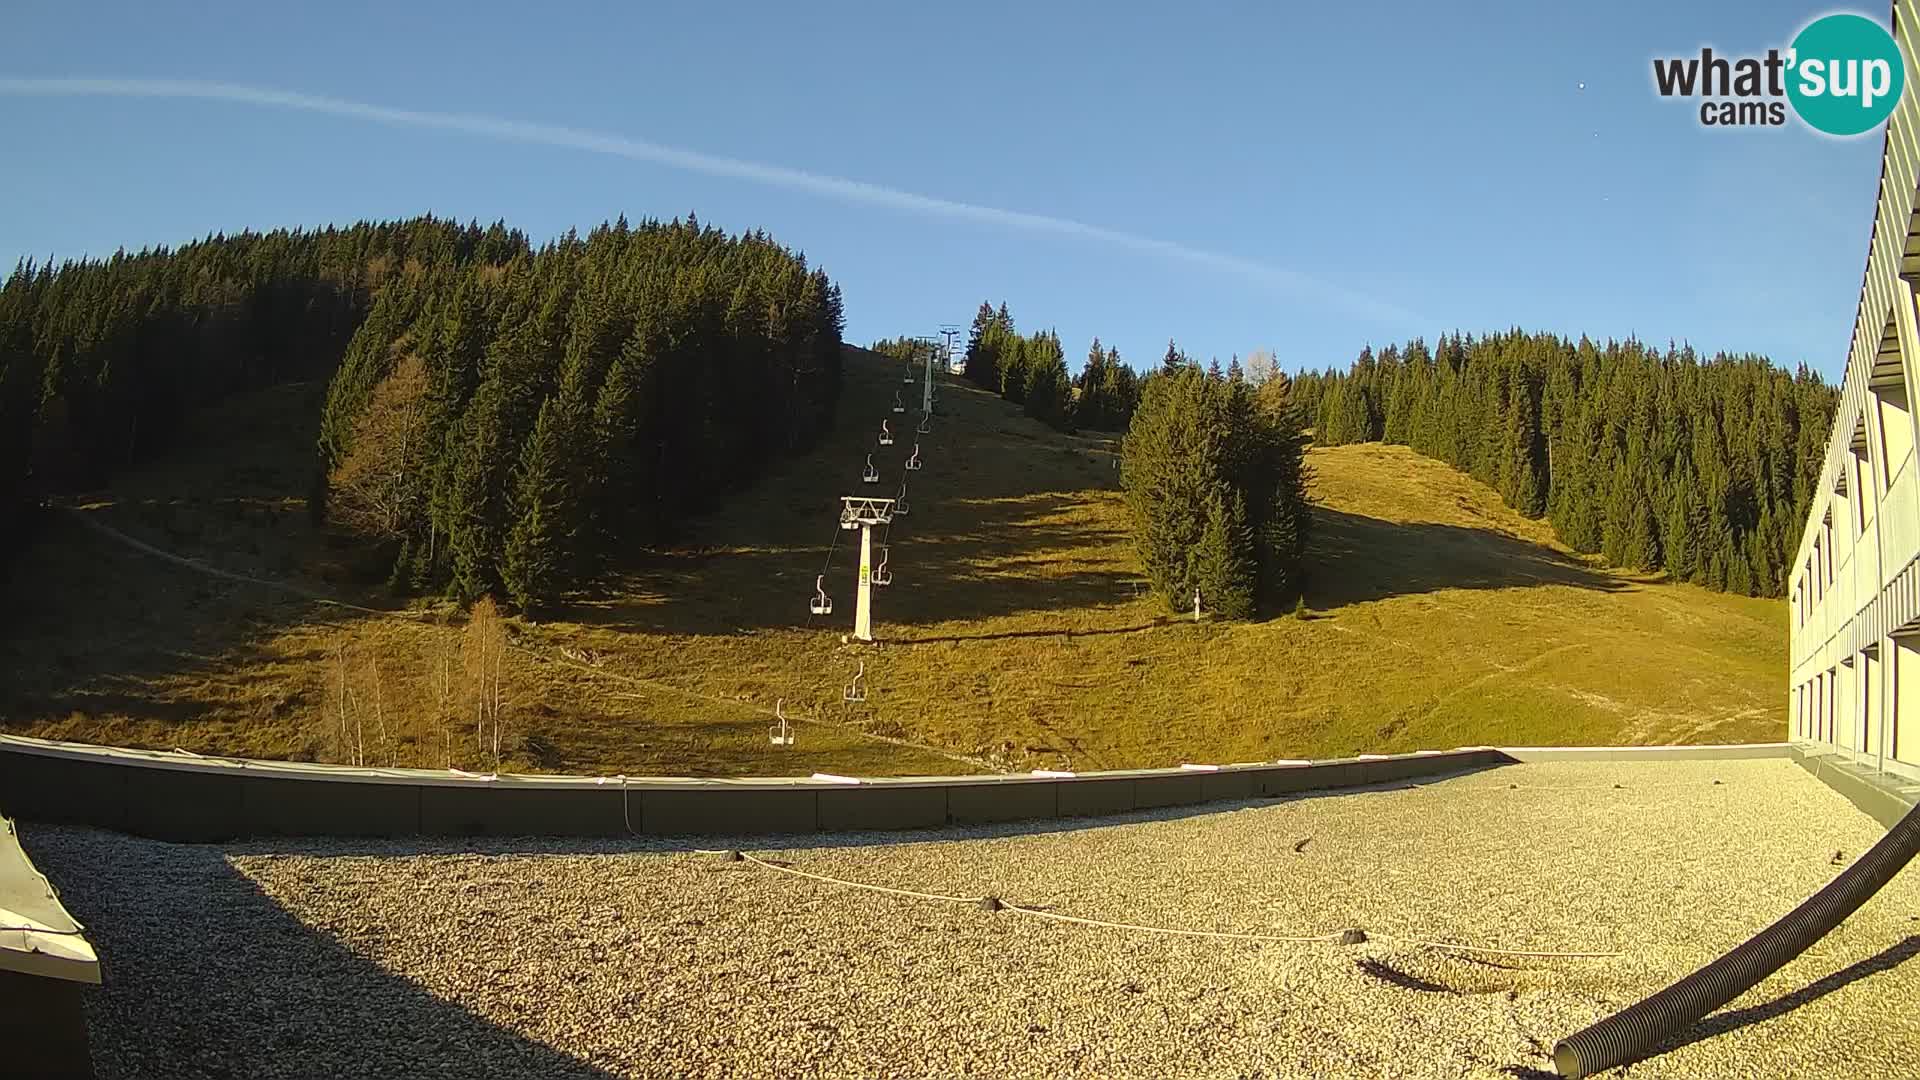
column 427, row 958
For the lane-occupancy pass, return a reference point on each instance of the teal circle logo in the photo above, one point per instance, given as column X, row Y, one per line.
column 1845, row 74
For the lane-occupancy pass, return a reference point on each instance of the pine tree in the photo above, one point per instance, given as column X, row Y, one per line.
column 1174, row 360
column 1221, row 562
column 1047, row 393
column 1216, row 490
column 1091, row 407
column 535, row 557
column 983, row 368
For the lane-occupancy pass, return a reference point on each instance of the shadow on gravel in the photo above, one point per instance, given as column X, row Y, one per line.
column 207, row 976
column 1405, row 980
column 1721, row 1023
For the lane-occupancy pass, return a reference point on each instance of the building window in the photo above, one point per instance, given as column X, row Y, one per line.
column 1826, row 531
column 1896, row 427
column 1862, row 483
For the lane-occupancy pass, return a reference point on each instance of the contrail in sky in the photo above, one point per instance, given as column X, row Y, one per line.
column 1301, row 285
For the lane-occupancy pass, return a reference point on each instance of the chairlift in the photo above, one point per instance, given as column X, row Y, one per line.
column 908, row 377
column 870, row 475
column 913, row 463
column 900, row 503
column 881, row 575
column 821, row 604
column 886, row 434
column 898, row 405
column 782, row 733
column 849, row 519
column 926, row 426
column 854, row 691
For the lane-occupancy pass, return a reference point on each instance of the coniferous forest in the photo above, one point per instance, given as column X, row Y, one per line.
column 499, row 417
column 1660, row 461
column 1031, row 371
column 1217, row 489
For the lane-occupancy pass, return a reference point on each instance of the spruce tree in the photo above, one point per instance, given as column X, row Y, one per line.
column 1216, row 491
column 1220, row 565
column 537, row 549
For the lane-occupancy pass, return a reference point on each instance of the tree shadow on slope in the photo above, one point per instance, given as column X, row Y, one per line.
column 1004, row 518
column 96, row 629
column 972, row 559
column 210, row 977
column 1352, row 558
column 101, row 636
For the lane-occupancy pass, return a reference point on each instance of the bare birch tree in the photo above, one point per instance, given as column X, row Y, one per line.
column 484, row 655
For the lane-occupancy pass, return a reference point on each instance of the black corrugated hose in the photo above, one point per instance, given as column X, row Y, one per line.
column 1632, row 1033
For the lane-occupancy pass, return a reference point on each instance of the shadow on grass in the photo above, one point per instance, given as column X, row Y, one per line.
column 1064, row 632
column 211, row 977
column 976, row 559
column 1352, row 558
column 100, row 629
column 97, row 628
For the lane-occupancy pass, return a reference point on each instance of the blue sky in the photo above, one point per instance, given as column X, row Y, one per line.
column 1357, row 173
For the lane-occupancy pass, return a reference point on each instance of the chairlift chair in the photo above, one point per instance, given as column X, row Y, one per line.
column 925, row 426
column 854, row 691
column 780, row 734
column 913, row 463
column 821, row 604
column 870, row 475
column 881, row 575
column 886, row 434
column 898, row 405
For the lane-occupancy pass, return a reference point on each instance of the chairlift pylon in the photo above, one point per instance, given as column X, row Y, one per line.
column 881, row 575
column 780, row 734
column 913, row 463
column 870, row 475
column 821, row 604
column 898, row 405
column 854, row 691
column 886, row 434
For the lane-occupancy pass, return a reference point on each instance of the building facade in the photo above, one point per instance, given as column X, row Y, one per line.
column 1855, row 591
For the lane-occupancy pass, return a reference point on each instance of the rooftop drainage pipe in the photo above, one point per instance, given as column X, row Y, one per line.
column 1634, row 1032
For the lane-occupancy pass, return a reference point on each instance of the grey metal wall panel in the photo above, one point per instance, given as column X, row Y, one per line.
column 513, row 811
column 724, row 811
column 974, row 804
column 296, row 806
column 881, row 806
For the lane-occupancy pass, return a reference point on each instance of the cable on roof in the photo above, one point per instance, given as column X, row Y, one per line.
column 1291, row 939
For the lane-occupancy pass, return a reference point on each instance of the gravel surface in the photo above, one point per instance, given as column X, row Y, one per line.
column 541, row 958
